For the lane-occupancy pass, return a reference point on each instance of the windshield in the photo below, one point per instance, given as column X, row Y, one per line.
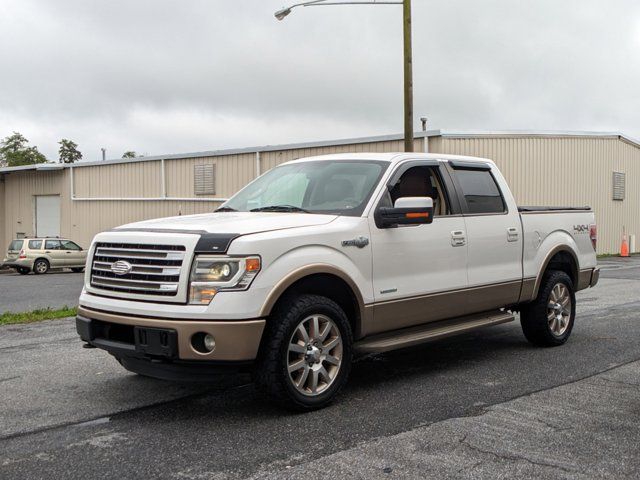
column 341, row 187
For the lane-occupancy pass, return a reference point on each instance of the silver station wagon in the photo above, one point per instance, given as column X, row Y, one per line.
column 38, row 255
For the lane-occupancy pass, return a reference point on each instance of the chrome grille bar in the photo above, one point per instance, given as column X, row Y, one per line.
column 154, row 270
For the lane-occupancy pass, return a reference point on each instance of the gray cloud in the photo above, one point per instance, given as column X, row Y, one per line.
column 162, row 76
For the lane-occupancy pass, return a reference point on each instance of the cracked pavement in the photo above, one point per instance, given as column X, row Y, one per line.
column 481, row 405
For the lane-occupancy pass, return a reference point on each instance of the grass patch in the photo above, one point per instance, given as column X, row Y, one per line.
column 10, row 318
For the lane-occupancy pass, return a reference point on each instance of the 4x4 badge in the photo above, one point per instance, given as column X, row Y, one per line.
column 359, row 242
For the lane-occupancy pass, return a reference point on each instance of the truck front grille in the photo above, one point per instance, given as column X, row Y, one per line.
column 137, row 268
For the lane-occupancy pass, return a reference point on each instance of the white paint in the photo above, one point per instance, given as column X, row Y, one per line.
column 47, row 215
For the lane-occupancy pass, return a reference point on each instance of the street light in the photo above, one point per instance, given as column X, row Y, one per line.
column 408, row 63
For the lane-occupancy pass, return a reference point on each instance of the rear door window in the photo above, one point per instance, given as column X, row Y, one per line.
column 35, row 244
column 52, row 244
column 480, row 191
column 16, row 245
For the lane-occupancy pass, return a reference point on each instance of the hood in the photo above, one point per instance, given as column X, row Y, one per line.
column 240, row 223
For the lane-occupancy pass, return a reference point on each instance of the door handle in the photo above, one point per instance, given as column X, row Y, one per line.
column 458, row 238
column 47, row 251
column 512, row 234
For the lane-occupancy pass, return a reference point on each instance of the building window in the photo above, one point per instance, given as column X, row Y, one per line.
column 618, row 185
column 204, row 179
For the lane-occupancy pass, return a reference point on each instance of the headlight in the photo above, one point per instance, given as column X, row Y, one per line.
column 211, row 274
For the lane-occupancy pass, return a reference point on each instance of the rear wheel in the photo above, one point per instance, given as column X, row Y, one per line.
column 77, row 270
column 23, row 271
column 306, row 355
column 40, row 266
column 548, row 320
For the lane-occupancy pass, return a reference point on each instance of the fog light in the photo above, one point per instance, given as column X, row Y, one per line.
column 203, row 342
column 209, row 342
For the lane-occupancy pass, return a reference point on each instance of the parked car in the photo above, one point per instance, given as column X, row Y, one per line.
column 323, row 258
column 41, row 254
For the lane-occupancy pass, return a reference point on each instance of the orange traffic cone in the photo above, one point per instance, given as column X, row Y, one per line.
column 624, row 248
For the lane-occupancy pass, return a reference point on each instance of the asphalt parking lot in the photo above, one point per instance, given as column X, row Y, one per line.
column 481, row 405
column 22, row 293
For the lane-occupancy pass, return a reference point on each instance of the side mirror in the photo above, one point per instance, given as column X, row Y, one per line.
column 406, row 211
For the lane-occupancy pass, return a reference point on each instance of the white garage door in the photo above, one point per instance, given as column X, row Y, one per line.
column 48, row 215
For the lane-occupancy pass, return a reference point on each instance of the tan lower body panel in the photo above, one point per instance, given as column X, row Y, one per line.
column 235, row 340
column 408, row 312
column 429, row 332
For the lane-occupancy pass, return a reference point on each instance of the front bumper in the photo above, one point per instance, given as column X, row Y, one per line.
column 236, row 341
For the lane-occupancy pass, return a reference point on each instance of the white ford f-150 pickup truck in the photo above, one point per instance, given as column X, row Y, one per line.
column 327, row 257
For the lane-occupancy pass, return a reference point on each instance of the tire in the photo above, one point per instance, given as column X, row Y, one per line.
column 323, row 358
column 23, row 271
column 77, row 270
column 40, row 266
column 549, row 319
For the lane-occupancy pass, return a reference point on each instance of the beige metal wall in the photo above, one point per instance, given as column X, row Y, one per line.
column 566, row 171
column 2, row 221
column 540, row 170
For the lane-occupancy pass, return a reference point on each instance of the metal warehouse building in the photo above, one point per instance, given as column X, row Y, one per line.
column 543, row 168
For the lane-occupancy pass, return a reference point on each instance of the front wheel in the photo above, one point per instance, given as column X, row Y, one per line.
column 548, row 320
column 306, row 354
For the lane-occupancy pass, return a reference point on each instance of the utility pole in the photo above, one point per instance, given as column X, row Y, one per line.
column 408, row 62
column 408, row 77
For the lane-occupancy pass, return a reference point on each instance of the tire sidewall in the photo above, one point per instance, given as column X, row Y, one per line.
column 335, row 313
column 35, row 267
column 554, row 279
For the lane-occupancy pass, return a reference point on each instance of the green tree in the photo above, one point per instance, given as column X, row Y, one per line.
column 69, row 152
column 14, row 151
column 129, row 154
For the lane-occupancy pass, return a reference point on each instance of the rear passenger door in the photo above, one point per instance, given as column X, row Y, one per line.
column 54, row 253
column 494, row 236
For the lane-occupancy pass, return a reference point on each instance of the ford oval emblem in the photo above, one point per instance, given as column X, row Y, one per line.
column 121, row 267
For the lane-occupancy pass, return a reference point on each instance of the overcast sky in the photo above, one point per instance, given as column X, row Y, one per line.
column 169, row 76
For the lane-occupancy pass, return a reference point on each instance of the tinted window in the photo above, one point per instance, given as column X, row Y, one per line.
column 480, row 191
column 16, row 245
column 52, row 245
column 69, row 245
column 35, row 244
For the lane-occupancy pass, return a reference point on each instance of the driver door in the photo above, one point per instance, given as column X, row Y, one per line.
column 419, row 271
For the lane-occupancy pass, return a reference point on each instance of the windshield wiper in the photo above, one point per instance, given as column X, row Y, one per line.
column 279, row 208
column 225, row 209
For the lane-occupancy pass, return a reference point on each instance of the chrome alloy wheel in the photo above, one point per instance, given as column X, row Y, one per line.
column 314, row 355
column 41, row 267
column 559, row 309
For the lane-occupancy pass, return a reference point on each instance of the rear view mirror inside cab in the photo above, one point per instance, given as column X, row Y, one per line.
column 406, row 211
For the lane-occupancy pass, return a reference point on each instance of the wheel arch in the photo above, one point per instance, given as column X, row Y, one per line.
column 325, row 280
column 563, row 258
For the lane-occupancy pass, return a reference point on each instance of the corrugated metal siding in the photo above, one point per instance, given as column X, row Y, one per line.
column 566, row 171
column 120, row 180
column 20, row 189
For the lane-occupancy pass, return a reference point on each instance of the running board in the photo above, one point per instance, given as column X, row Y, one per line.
column 408, row 337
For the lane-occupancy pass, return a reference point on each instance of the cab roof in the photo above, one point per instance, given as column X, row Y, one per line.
column 391, row 157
